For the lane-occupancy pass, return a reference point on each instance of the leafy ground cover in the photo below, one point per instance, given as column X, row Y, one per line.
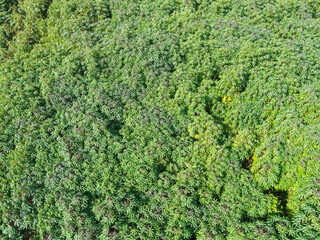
column 164, row 119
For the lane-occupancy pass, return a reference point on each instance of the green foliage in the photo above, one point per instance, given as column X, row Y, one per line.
column 169, row 119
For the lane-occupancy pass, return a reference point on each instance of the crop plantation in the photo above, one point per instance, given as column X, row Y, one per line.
column 159, row 119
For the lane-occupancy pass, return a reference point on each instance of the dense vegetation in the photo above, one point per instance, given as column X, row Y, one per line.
column 164, row 119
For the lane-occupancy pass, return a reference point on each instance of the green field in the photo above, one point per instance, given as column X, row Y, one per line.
column 159, row 119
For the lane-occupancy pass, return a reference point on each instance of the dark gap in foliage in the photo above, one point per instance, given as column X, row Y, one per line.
column 198, row 80
column 282, row 197
column 193, row 237
column 195, row 5
column 215, row 75
column 44, row 12
column 6, row 9
column 226, row 131
column 218, row 195
column 115, row 126
column 247, row 163
column 109, row 12
column 28, row 234
column 104, row 9
column 208, row 105
column 248, row 219
column 112, row 232
column 243, row 84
